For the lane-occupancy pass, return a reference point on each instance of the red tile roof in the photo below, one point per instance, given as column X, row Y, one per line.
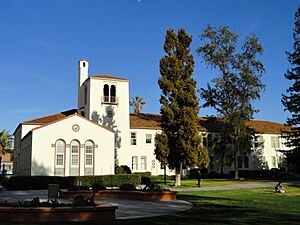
column 50, row 118
column 146, row 121
column 152, row 121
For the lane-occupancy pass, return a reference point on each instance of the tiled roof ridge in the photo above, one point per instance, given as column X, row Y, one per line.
column 207, row 118
column 71, row 115
column 65, row 113
column 107, row 76
column 211, row 124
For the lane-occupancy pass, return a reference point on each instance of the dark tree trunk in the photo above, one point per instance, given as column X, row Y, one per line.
column 236, row 166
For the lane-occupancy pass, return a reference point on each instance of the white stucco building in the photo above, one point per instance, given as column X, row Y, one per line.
column 89, row 140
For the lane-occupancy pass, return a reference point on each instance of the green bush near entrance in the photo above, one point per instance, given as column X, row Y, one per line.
column 41, row 182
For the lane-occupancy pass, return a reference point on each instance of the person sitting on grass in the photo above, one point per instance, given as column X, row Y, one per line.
column 279, row 188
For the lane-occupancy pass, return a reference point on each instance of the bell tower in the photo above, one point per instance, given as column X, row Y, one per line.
column 83, row 74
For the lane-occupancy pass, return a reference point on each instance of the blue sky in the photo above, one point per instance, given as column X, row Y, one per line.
column 42, row 41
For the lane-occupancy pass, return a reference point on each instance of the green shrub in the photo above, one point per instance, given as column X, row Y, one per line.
column 143, row 174
column 41, row 182
column 123, row 169
column 111, row 180
column 160, row 178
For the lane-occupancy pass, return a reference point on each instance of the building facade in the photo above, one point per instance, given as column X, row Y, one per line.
column 102, row 132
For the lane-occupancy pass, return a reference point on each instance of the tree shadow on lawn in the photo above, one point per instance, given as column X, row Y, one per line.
column 202, row 214
column 196, row 199
column 206, row 210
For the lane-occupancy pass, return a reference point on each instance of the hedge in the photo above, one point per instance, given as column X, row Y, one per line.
column 116, row 180
column 35, row 182
column 41, row 182
column 143, row 174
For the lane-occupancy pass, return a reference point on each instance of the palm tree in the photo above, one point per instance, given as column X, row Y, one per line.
column 137, row 102
column 5, row 143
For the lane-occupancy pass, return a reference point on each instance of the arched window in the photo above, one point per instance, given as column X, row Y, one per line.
column 74, row 161
column 89, row 158
column 60, row 147
column 112, row 93
column 106, row 93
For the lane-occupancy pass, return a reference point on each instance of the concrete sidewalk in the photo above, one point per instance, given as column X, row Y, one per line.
column 131, row 209
column 127, row 209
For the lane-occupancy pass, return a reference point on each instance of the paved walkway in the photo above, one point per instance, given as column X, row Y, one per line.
column 127, row 209
column 130, row 209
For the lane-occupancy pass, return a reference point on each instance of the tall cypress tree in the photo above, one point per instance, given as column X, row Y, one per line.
column 291, row 100
column 179, row 106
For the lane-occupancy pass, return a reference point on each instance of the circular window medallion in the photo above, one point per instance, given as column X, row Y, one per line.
column 75, row 128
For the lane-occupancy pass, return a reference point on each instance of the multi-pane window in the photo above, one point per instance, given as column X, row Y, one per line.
column 89, row 151
column 143, row 162
column 148, row 138
column 89, row 160
column 109, row 94
column 74, row 167
column 60, row 152
column 74, row 153
column 59, row 158
column 134, row 165
column 133, row 138
column 275, row 142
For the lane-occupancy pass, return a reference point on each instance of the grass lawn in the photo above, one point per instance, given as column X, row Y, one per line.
column 209, row 182
column 244, row 206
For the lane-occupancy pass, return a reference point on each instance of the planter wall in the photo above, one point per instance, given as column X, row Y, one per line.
column 118, row 194
column 103, row 212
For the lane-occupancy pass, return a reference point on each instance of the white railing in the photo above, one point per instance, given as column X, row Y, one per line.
column 110, row 100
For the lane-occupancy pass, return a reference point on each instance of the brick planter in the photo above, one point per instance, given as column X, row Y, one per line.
column 101, row 212
column 119, row 194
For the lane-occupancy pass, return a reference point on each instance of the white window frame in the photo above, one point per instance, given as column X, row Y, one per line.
column 60, row 152
column 134, row 163
column 133, row 140
column 148, row 140
column 143, row 163
column 89, row 144
column 74, row 155
column 275, row 142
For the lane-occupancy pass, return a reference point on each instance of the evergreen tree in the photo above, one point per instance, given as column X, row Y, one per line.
column 179, row 107
column 291, row 100
column 239, row 83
